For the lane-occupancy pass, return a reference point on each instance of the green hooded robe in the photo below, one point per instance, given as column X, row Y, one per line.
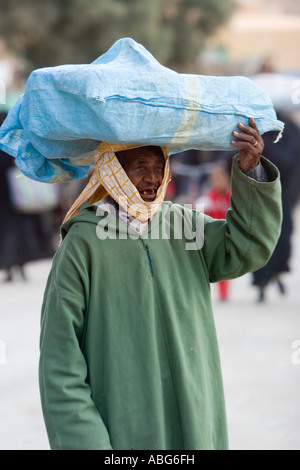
column 129, row 354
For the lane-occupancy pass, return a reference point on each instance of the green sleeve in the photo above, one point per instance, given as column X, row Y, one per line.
column 72, row 420
column 245, row 241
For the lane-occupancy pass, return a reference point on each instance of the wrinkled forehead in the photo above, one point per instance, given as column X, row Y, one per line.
column 141, row 153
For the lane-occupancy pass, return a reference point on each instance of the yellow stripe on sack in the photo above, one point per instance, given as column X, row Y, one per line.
column 193, row 96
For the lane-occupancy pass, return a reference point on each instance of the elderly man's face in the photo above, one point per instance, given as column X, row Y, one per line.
column 145, row 168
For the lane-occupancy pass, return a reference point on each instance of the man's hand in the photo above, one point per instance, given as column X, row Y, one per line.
column 251, row 144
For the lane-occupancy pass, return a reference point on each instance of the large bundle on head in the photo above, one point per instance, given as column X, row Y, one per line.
column 125, row 96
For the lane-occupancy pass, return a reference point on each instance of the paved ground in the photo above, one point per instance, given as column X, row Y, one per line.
column 260, row 367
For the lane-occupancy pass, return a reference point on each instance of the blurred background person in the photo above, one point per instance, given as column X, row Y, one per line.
column 216, row 202
column 285, row 154
column 23, row 237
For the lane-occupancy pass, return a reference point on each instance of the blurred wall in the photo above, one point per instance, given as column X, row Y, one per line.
column 263, row 28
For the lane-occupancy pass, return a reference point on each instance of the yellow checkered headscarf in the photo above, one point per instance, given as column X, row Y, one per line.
column 110, row 178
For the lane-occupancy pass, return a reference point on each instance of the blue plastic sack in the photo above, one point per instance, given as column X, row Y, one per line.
column 125, row 96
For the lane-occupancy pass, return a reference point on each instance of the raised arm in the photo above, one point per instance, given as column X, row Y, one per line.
column 247, row 238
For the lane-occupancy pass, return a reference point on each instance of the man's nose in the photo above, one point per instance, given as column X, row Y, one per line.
column 152, row 177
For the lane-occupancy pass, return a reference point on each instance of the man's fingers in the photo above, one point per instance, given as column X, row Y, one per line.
column 242, row 136
column 249, row 130
column 250, row 143
column 249, row 140
column 250, row 146
column 250, row 133
column 246, row 145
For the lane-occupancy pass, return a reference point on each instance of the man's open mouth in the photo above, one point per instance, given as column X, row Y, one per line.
column 148, row 194
column 148, row 191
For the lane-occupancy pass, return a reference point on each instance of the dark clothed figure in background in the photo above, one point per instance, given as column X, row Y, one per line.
column 22, row 236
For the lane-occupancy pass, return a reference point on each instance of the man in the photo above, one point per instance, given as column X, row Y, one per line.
column 129, row 355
